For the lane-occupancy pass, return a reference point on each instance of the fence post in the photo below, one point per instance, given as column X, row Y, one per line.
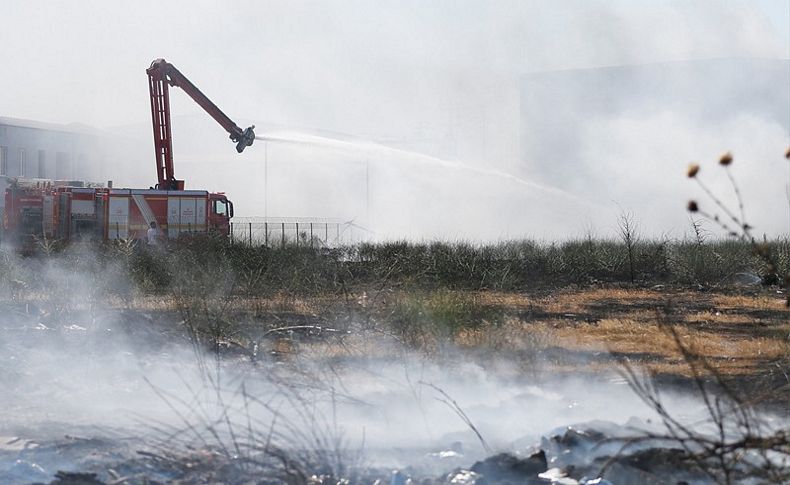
column 326, row 233
column 250, row 234
column 311, row 234
column 231, row 231
column 282, row 240
column 297, row 234
column 266, row 233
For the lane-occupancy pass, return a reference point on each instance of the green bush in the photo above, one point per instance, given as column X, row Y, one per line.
column 213, row 264
column 424, row 319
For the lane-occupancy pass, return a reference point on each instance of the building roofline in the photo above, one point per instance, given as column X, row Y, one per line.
column 77, row 128
column 666, row 62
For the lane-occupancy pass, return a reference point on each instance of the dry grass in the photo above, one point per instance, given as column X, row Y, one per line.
column 744, row 302
column 738, row 334
column 276, row 303
column 589, row 330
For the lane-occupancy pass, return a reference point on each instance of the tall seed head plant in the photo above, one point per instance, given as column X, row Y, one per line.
column 733, row 223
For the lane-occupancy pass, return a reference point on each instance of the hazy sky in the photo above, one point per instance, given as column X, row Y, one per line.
column 66, row 61
column 442, row 77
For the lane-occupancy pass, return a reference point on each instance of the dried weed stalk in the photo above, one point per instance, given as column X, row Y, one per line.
column 734, row 224
column 733, row 442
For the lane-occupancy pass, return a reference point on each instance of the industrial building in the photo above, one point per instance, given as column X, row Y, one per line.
column 33, row 149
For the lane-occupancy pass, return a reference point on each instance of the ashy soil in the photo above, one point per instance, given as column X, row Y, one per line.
column 72, row 377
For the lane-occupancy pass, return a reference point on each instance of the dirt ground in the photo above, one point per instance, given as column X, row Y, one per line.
column 739, row 333
column 743, row 334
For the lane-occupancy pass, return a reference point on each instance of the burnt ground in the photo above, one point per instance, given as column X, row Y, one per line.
column 742, row 333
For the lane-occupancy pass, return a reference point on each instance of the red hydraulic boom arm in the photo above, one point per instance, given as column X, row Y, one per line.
column 162, row 74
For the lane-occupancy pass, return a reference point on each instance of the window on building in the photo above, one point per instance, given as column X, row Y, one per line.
column 62, row 166
column 3, row 160
column 42, row 164
column 22, row 162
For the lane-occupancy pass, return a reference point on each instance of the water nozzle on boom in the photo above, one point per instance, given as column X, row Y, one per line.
column 245, row 139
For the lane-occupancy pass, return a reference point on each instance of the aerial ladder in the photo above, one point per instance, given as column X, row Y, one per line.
column 161, row 75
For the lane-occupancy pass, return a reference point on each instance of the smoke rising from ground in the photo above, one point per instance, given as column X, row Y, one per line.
column 75, row 358
column 72, row 364
column 86, row 353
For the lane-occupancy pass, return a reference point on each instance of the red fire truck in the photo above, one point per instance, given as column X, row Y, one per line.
column 68, row 210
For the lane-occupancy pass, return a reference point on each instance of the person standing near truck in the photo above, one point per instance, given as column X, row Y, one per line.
column 153, row 234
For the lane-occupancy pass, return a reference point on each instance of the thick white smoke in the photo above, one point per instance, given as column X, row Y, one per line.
column 463, row 81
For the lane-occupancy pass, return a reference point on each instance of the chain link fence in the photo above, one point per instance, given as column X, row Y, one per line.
column 279, row 232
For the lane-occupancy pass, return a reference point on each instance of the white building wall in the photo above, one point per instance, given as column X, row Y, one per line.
column 37, row 150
